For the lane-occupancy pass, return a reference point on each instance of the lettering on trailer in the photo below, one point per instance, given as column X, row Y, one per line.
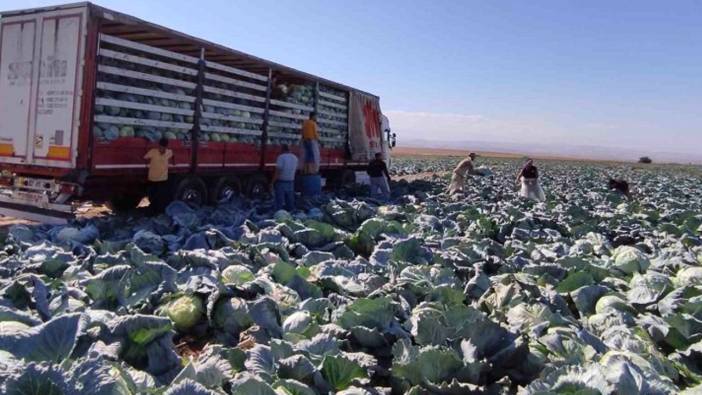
column 53, row 100
column 19, row 73
column 51, row 67
column 53, row 71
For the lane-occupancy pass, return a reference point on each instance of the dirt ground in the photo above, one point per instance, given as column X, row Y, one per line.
column 441, row 152
column 6, row 222
column 413, row 151
column 446, row 152
column 420, row 176
column 86, row 210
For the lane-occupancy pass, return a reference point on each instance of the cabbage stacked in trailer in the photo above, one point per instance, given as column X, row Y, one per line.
column 233, row 105
column 146, row 93
column 143, row 92
column 332, row 108
column 287, row 115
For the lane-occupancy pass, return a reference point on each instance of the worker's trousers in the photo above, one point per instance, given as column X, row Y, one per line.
column 311, row 156
column 284, row 195
column 159, row 196
column 379, row 187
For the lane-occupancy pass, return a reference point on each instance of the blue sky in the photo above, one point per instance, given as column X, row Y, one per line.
column 611, row 73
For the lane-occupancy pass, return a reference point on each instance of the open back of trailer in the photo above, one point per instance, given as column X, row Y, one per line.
column 85, row 92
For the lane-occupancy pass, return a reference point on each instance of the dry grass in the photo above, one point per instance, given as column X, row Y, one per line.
column 418, row 152
column 443, row 152
column 415, row 152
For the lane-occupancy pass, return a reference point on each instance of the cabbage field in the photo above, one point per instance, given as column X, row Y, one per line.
column 584, row 293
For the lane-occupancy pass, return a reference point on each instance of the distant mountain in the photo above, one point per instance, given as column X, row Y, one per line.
column 562, row 150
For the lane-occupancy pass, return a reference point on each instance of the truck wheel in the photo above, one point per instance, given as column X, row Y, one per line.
column 348, row 177
column 124, row 202
column 340, row 178
column 225, row 190
column 192, row 191
column 257, row 187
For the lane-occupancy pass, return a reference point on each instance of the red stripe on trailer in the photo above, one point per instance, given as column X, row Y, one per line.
column 242, row 155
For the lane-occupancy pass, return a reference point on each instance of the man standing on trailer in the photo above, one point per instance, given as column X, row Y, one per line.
column 283, row 182
column 158, row 158
column 379, row 177
column 310, row 145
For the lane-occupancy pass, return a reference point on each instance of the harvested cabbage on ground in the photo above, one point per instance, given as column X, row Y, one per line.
column 586, row 292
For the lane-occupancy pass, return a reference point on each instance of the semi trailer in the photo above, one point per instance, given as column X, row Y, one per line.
column 86, row 91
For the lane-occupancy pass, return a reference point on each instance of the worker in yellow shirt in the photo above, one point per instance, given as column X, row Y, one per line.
column 158, row 158
column 310, row 144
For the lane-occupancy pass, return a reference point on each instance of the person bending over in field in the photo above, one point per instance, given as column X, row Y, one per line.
column 620, row 186
column 529, row 177
column 458, row 178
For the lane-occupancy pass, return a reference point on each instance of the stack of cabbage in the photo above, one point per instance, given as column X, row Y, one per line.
column 227, row 118
column 585, row 293
column 247, row 126
column 286, row 129
column 109, row 118
column 232, row 111
column 332, row 118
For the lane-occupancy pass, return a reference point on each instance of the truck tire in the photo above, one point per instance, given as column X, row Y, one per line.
column 124, row 202
column 348, row 177
column 225, row 190
column 191, row 190
column 337, row 179
column 257, row 187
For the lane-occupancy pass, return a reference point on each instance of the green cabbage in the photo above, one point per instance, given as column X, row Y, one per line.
column 629, row 260
column 185, row 311
column 237, row 275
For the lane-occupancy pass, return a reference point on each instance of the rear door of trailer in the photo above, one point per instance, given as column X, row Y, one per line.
column 41, row 68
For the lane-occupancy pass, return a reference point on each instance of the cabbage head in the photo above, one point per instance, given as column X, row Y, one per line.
column 689, row 276
column 185, row 311
column 237, row 275
column 612, row 302
column 629, row 260
column 126, row 131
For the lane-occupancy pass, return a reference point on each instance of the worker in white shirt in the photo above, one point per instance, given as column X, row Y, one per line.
column 283, row 182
